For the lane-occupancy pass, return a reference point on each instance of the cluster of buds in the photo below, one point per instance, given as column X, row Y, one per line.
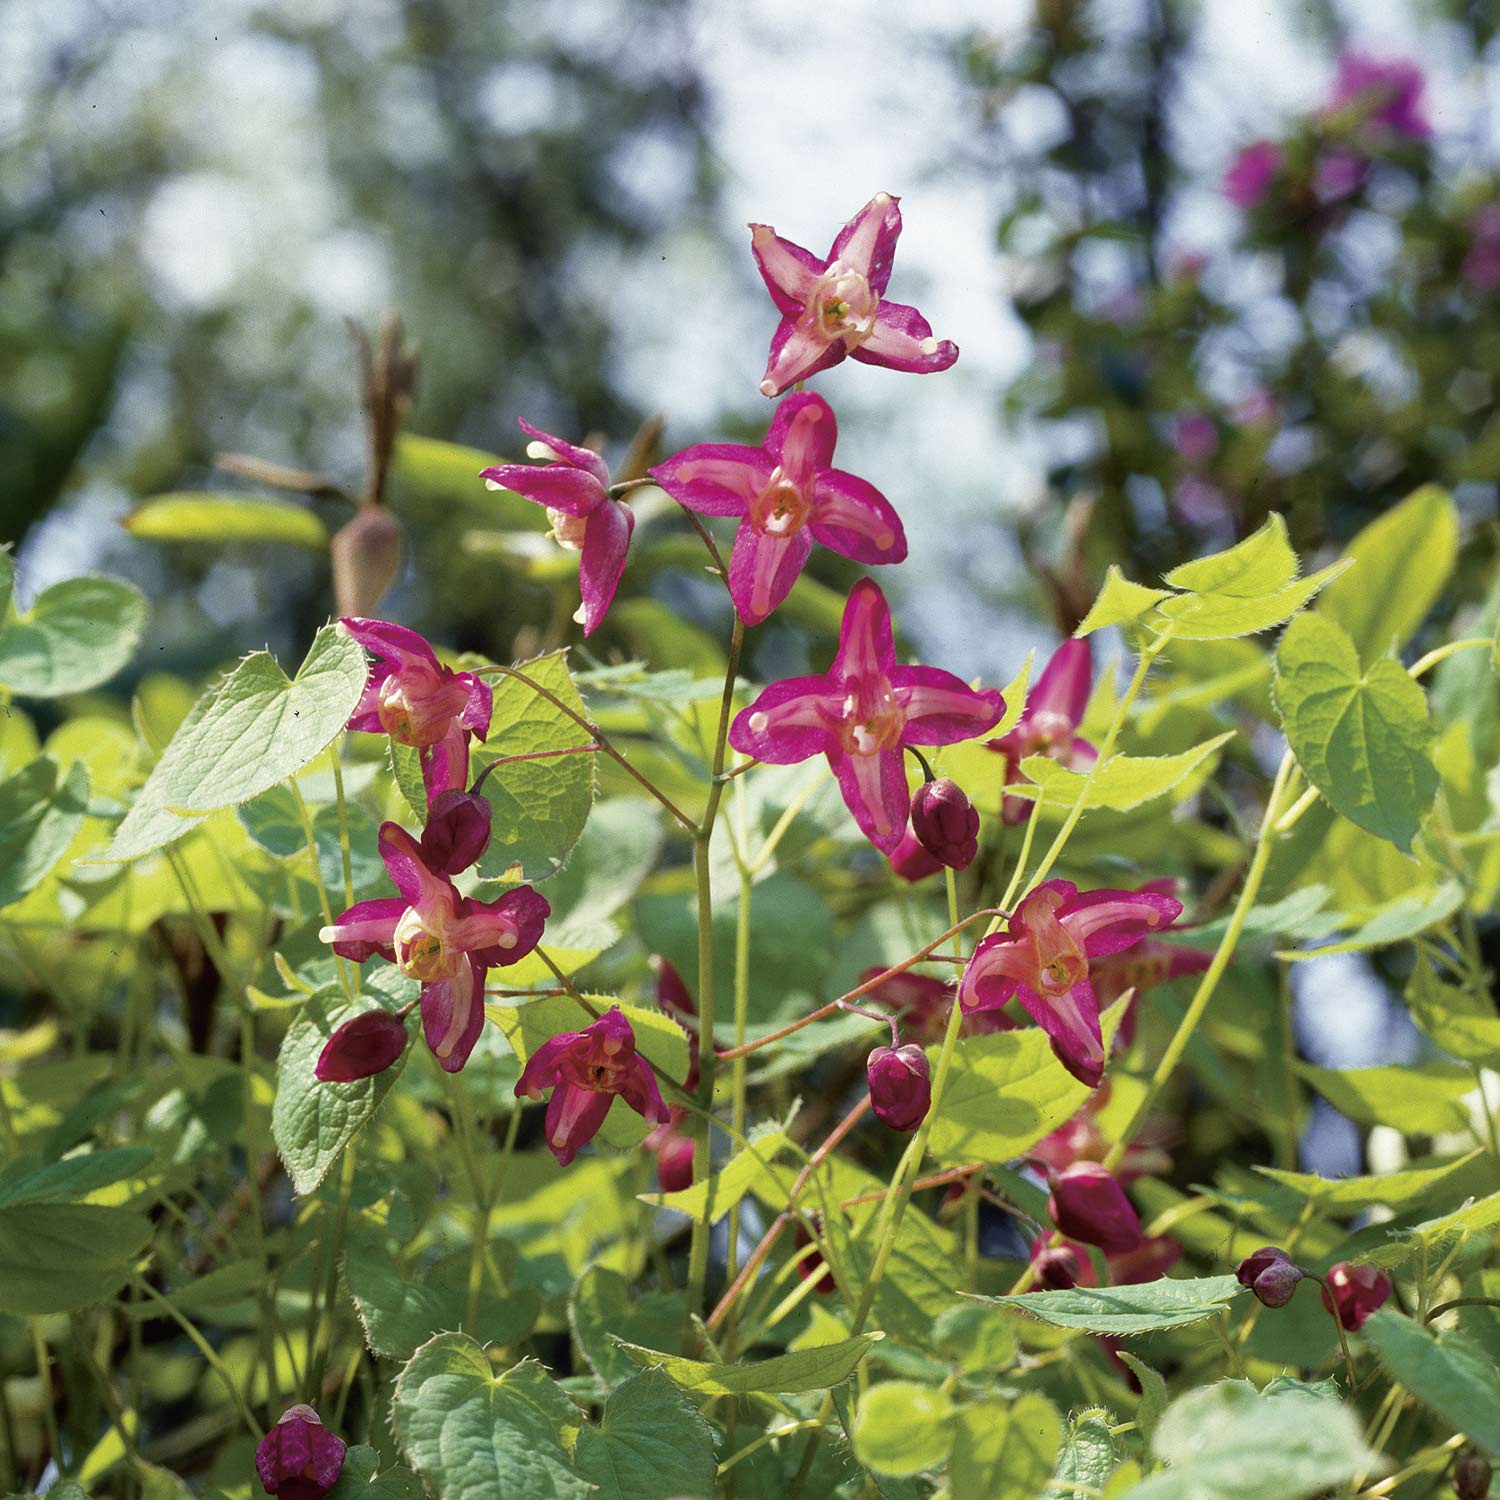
column 1350, row 1292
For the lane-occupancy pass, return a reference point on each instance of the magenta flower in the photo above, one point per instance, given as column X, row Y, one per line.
column 457, row 832
column 412, row 697
column 787, row 496
column 367, row 1043
column 673, row 1151
column 1271, row 1274
column 1044, row 956
column 585, row 1070
column 900, row 1086
column 1054, row 709
column 1356, row 1292
column 1388, row 93
column 299, row 1458
column 911, row 861
column 836, row 307
column 1251, row 173
column 860, row 714
column 946, row 823
column 573, row 485
column 1088, row 1204
column 446, row 941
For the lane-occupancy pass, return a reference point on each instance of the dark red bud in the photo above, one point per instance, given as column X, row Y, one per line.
column 945, row 823
column 1056, row 1266
column 900, row 1088
column 299, row 1458
column 1471, row 1475
column 457, row 831
column 813, row 1265
column 911, row 861
column 674, row 1163
column 1088, row 1204
column 1356, row 1292
column 1271, row 1274
column 367, row 556
column 368, row 1044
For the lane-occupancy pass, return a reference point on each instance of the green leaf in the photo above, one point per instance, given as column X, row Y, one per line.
column 470, row 1432
column 40, row 813
column 406, row 767
column 1261, row 564
column 1120, row 601
column 903, row 1427
column 224, row 519
column 606, row 1306
column 1005, row 1092
column 1462, row 1024
column 1472, row 1218
column 1400, row 1190
column 312, row 1121
column 400, row 1311
column 1004, row 1453
column 1398, row 920
column 814, row 1369
column 1127, row 1310
column 539, row 806
column 7, row 580
column 1403, row 557
column 59, row 1257
column 650, row 1444
column 1414, row 1098
column 77, row 635
column 359, row 1479
column 712, row 1198
column 1226, row 1442
column 253, row 729
column 1086, row 1461
column 1361, row 737
column 1218, row 617
column 72, row 1179
column 1122, row 782
column 1448, row 1372
column 1153, row 1393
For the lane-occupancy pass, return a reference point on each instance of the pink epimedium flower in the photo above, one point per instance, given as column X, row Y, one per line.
column 1049, row 724
column 1251, row 173
column 836, row 307
column 1352, row 1292
column 412, row 697
column 585, row 1070
column 788, row 496
column 573, row 485
column 861, row 713
column 299, row 1458
column 444, row 940
column 1387, row 92
column 1044, row 957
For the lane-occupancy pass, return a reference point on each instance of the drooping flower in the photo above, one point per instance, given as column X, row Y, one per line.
column 835, row 307
column 672, row 1148
column 1069, row 1264
column 1271, row 1274
column 457, row 831
column 1388, row 92
column 945, row 822
column 788, row 496
column 1080, row 1139
column 412, row 697
column 860, row 714
column 910, row 861
column 299, row 1458
column 811, row 1266
column 1251, row 172
column 1049, row 723
column 1356, row 1291
column 1087, row 1203
column 367, row 1043
column 922, row 1005
column 1058, row 1268
column 900, row 1086
column 573, row 485
column 1044, row 956
column 585, row 1070
column 442, row 939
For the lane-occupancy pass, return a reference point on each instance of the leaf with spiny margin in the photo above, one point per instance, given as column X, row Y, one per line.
column 1087, row 1458
column 1405, row 557
column 1448, row 1372
column 1004, row 1452
column 1153, row 1393
column 312, row 1121
column 814, row 1369
column 1121, row 783
column 359, row 1479
column 1399, row 1190
column 539, row 806
column 1398, row 920
column 470, row 1432
column 606, row 1306
column 78, row 634
column 1127, row 1310
column 712, row 1198
column 1361, row 737
column 1119, row 603
column 651, row 1443
column 41, row 812
column 1262, row 564
column 1472, row 1218
column 252, row 729
column 221, row 518
column 1222, row 617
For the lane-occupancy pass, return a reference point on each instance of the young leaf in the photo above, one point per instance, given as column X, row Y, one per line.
column 1123, row 782
column 1261, row 564
column 903, row 1427
column 1153, row 1393
column 40, row 812
column 814, row 1369
column 712, row 1198
column 1361, row 737
column 222, row 518
column 1218, row 617
column 77, row 635
column 1120, row 601
column 1448, row 1372
column 1127, row 1310
column 1350, row 1194
column 359, row 1479
column 1004, row 1452
column 1416, row 1098
column 650, row 1444
column 1087, row 1459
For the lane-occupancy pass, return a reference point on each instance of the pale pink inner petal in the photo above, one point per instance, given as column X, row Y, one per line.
column 810, row 711
column 867, row 774
column 1013, row 959
column 922, row 699
column 846, row 508
column 461, row 987
column 483, row 928
column 1087, row 920
column 370, row 930
column 803, row 352
column 803, row 444
column 791, row 276
column 864, row 233
column 866, row 648
column 744, row 477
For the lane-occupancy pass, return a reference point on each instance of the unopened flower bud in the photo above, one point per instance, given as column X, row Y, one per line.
column 457, row 832
column 900, row 1088
column 299, row 1458
column 911, row 861
column 1088, row 1204
column 809, row 1266
column 1271, row 1274
column 368, row 1044
column 674, row 1162
column 945, row 823
column 1471, row 1475
column 1056, row 1267
column 1356, row 1292
column 367, row 554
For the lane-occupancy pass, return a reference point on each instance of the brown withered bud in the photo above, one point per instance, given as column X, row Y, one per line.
column 368, row 554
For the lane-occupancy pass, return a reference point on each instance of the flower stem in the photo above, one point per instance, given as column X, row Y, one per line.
column 741, row 1015
column 44, row 1380
column 343, row 807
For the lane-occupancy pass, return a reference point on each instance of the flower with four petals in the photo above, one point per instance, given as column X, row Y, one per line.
column 1049, row 723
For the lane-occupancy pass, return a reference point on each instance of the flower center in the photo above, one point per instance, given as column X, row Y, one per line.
column 567, row 531
column 843, row 306
column 421, row 951
column 1060, row 960
column 781, row 509
column 873, row 720
column 416, row 706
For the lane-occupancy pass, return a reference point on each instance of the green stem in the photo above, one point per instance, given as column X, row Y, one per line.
column 343, row 807
column 326, row 905
column 317, row 1356
column 1442, row 653
column 208, row 1352
column 740, row 1066
column 44, row 1377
